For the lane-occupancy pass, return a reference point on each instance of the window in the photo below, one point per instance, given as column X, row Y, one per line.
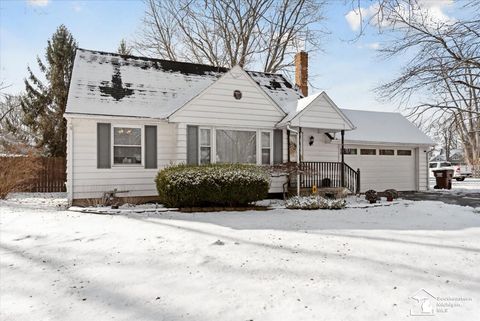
column 404, row 152
column 367, row 151
column 266, row 148
column 127, row 146
column 433, row 165
column 386, row 152
column 205, row 146
column 445, row 164
column 235, row 146
column 349, row 151
column 292, row 147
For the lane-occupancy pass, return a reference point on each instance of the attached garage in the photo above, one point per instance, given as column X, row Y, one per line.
column 383, row 167
column 390, row 151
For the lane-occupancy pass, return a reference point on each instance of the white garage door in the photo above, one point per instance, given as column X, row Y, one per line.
column 383, row 168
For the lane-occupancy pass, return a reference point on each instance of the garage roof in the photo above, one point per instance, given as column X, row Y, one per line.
column 384, row 127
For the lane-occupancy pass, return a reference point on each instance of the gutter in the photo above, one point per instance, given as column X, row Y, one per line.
column 298, row 155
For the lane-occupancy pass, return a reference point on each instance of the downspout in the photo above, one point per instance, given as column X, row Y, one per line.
column 428, row 166
column 298, row 156
column 70, row 163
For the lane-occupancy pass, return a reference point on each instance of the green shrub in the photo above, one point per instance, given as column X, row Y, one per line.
column 212, row 185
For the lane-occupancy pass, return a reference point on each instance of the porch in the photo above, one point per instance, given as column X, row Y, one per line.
column 325, row 175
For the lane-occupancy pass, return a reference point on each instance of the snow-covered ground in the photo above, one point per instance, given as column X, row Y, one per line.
column 352, row 264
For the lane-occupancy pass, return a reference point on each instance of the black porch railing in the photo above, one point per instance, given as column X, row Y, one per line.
column 328, row 174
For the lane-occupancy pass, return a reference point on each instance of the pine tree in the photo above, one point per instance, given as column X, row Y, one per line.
column 124, row 49
column 44, row 102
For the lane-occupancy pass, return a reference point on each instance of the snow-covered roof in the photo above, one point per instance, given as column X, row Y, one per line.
column 295, row 107
column 278, row 88
column 302, row 105
column 112, row 84
column 384, row 127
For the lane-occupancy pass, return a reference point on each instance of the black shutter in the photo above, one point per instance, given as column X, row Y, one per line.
column 192, row 145
column 104, row 145
column 150, row 146
column 278, row 146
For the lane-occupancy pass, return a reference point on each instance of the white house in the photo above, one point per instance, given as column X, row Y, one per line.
column 128, row 117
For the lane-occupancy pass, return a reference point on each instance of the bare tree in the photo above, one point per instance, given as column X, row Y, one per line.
column 441, row 82
column 229, row 32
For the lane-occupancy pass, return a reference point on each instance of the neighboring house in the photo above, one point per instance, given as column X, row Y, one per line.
column 456, row 156
column 128, row 117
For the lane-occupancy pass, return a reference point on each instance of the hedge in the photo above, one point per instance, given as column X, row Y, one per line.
column 212, row 185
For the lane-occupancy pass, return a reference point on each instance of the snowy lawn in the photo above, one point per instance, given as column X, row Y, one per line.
column 352, row 264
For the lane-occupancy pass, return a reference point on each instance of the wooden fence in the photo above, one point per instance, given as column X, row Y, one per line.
column 51, row 176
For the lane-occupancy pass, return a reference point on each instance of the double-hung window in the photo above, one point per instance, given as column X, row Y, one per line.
column 127, row 145
column 266, row 148
column 205, row 146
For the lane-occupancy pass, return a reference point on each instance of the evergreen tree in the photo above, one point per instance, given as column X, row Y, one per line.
column 124, row 49
column 45, row 100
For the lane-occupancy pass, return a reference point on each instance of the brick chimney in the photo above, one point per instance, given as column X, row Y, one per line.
column 301, row 72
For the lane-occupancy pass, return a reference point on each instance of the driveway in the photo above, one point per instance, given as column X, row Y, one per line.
column 463, row 199
column 466, row 193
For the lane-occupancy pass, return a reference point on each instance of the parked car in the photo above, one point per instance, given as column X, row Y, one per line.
column 460, row 172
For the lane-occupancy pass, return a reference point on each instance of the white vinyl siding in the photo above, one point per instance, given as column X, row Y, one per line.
column 216, row 106
column 422, row 168
column 91, row 182
column 322, row 150
column 320, row 114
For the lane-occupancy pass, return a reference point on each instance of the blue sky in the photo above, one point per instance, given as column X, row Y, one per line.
column 348, row 70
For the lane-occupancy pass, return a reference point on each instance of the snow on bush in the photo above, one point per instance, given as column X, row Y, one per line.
column 212, row 185
column 314, row 202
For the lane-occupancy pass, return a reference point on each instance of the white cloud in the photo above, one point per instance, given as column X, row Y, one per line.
column 433, row 9
column 38, row 3
column 355, row 17
column 370, row 45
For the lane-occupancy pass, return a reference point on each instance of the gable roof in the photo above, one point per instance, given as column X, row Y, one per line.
column 303, row 104
column 236, row 72
column 111, row 84
column 384, row 127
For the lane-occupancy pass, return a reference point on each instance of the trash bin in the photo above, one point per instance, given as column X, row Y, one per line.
column 443, row 178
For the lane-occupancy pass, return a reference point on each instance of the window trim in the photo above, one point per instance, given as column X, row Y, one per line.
column 386, row 149
column 142, row 145
column 353, row 148
column 270, row 133
column 409, row 150
column 374, row 154
column 258, row 145
column 212, row 155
